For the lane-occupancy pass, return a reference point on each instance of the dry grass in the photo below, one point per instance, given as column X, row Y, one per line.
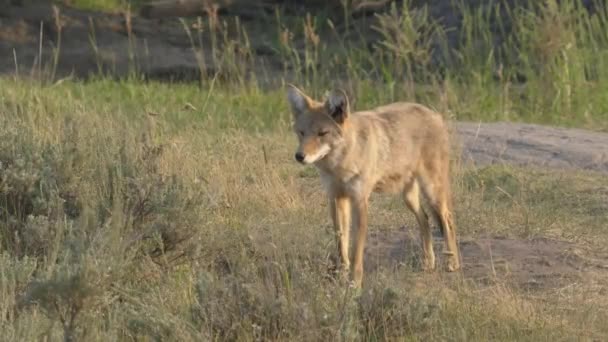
column 194, row 225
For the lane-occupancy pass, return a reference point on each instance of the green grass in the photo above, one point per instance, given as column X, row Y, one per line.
column 138, row 210
column 104, row 5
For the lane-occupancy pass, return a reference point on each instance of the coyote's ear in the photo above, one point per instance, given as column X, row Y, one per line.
column 337, row 105
column 298, row 101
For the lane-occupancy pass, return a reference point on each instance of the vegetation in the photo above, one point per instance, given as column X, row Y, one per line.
column 104, row 5
column 134, row 210
column 545, row 62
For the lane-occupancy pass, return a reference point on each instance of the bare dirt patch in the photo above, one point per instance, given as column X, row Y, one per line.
column 527, row 264
column 533, row 145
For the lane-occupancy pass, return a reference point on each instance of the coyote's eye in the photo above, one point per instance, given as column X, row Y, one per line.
column 322, row 133
column 301, row 133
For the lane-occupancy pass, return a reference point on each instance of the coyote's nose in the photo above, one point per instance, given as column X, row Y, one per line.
column 299, row 157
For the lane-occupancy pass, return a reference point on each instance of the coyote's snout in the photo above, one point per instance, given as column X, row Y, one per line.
column 398, row 148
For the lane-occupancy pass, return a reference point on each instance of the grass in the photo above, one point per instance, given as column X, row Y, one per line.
column 196, row 224
column 138, row 210
column 103, row 5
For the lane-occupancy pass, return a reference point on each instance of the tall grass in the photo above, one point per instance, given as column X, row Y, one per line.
column 541, row 63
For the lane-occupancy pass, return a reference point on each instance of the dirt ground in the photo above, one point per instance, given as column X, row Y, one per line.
column 533, row 145
column 530, row 264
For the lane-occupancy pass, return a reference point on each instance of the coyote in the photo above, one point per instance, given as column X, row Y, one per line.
column 396, row 148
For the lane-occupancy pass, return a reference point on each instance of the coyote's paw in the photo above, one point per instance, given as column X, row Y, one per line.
column 453, row 264
column 427, row 263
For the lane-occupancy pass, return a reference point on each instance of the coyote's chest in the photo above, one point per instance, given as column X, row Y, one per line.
column 356, row 183
column 346, row 181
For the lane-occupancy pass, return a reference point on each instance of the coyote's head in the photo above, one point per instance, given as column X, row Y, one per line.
column 319, row 126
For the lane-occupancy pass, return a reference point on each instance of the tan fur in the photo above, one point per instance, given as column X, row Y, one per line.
column 397, row 148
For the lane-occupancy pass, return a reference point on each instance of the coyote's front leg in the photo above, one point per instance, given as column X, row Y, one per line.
column 340, row 210
column 360, row 222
